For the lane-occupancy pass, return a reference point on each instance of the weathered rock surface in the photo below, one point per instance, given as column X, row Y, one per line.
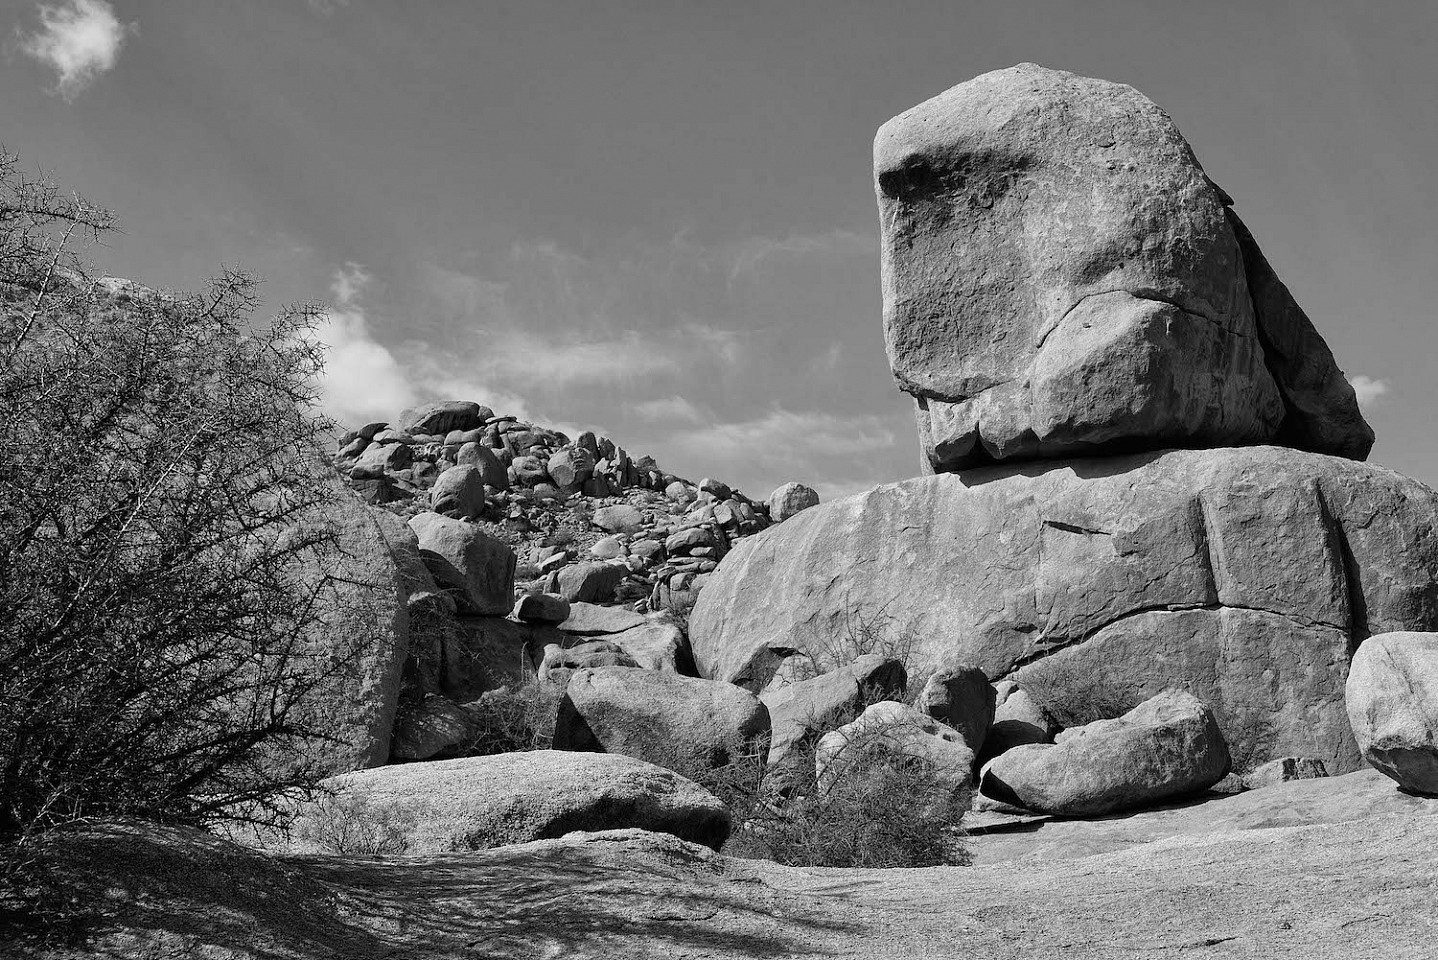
column 1017, row 720
column 1061, row 276
column 1166, row 747
column 887, row 731
column 1283, row 770
column 560, row 662
column 473, row 803
column 428, row 727
column 477, row 568
column 789, row 499
column 458, row 492
column 681, row 723
column 803, row 711
column 1393, row 706
column 961, row 697
column 1246, row 574
column 442, row 417
column 541, row 608
column 359, row 639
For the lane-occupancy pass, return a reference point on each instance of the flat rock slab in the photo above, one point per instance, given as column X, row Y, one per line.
column 1330, row 800
column 1330, row 892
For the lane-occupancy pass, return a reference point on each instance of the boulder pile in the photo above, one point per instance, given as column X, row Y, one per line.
column 1143, row 466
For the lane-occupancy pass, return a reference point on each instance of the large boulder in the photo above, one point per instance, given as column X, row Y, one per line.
column 961, row 697
column 1060, row 275
column 790, row 498
column 1166, row 747
column 888, row 732
column 438, row 419
column 1246, row 574
column 1393, row 706
column 357, row 640
column 458, row 492
column 491, row 470
column 681, row 723
column 587, row 582
column 473, row 803
column 476, row 568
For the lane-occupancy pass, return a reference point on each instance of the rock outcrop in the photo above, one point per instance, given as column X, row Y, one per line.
column 682, row 723
column 1166, row 747
column 473, row 803
column 1393, row 706
column 1061, row 278
column 1248, row 574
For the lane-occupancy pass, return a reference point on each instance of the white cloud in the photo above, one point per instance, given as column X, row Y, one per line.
column 833, row 454
column 750, row 255
column 1368, row 389
column 673, row 409
column 78, row 39
column 363, row 382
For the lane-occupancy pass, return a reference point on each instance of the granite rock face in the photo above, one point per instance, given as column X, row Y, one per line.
column 1393, row 706
column 473, row 803
column 1061, row 278
column 1248, row 575
column 1166, row 747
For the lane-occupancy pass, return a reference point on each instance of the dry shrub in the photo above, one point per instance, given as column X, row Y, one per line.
column 351, row 823
column 862, row 630
column 513, row 719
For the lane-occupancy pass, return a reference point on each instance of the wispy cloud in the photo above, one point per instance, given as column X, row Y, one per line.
column 751, row 255
column 78, row 39
column 673, row 410
column 1368, row 389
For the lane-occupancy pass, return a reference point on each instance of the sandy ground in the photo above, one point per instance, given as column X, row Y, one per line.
column 1340, row 868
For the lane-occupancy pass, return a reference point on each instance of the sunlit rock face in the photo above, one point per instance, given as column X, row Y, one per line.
column 1061, row 277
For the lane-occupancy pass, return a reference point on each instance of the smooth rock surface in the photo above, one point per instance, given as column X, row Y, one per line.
column 803, row 711
column 680, row 723
column 1248, row 574
column 473, row 803
column 1168, row 746
column 458, row 492
column 1059, row 275
column 1393, row 706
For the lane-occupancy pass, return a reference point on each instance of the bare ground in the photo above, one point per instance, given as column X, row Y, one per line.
column 1289, row 874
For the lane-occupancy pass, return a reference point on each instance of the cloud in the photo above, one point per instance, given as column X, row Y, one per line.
column 363, row 381
column 326, row 8
column 1368, row 389
column 836, row 455
column 78, row 39
column 674, row 410
column 753, row 254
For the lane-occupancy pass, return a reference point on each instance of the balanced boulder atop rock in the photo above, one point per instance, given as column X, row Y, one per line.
column 1165, row 747
column 789, row 499
column 1060, row 277
column 1393, row 706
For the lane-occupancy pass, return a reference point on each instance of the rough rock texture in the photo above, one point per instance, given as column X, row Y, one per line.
column 458, row 492
column 1247, row 574
column 587, row 582
column 560, row 662
column 541, row 608
column 805, row 710
column 476, row 567
column 657, row 644
column 789, row 499
column 1060, row 275
column 1393, row 706
column 1166, row 747
column 887, row 730
column 960, row 696
column 359, row 638
column 442, row 417
column 681, row 723
column 477, row 802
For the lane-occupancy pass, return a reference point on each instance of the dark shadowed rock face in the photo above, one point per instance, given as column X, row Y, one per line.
column 1246, row 575
column 1061, row 277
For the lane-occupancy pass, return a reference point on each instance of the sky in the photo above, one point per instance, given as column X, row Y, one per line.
column 657, row 219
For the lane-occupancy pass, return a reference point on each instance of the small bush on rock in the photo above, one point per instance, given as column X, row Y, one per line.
column 352, row 824
column 512, row 719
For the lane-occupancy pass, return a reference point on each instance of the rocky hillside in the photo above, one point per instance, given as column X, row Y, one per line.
column 585, row 518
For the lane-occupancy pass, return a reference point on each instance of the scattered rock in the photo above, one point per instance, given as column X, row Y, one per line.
column 1168, row 746
column 542, row 608
column 1393, row 706
column 587, row 582
column 619, row 518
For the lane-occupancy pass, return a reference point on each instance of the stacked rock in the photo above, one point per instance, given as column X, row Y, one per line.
column 1142, row 463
